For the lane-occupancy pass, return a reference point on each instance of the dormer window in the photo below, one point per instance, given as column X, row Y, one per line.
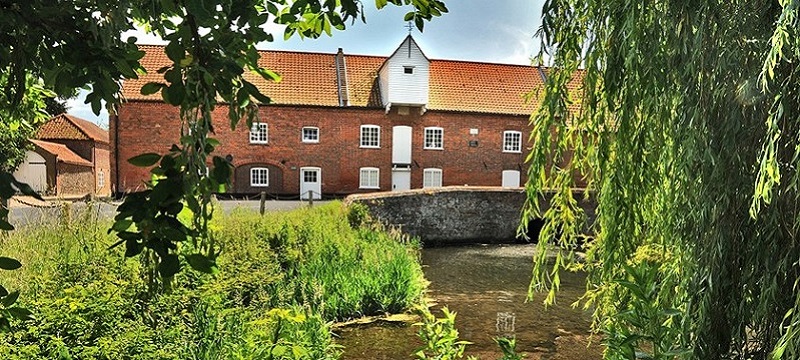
column 408, row 69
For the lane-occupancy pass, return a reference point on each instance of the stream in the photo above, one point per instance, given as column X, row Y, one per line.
column 487, row 286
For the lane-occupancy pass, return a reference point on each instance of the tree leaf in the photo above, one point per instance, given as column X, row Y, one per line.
column 5, row 225
column 169, row 265
column 202, row 263
column 151, row 88
column 10, row 299
column 21, row 313
column 145, row 160
column 7, row 263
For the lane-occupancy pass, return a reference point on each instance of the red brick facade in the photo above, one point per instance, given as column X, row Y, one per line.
column 472, row 105
column 145, row 126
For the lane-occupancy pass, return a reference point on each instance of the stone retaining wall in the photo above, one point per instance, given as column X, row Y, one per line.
column 453, row 215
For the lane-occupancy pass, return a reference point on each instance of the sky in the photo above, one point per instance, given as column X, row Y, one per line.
column 501, row 31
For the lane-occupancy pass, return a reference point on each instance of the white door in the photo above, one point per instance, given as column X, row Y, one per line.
column 310, row 180
column 401, row 179
column 33, row 171
column 401, row 145
column 510, row 178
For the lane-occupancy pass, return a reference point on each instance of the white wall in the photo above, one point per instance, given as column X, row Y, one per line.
column 33, row 171
column 397, row 87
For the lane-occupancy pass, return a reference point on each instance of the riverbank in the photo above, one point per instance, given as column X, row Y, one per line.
column 283, row 278
column 487, row 286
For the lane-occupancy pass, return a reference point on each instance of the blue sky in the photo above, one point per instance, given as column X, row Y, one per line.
column 474, row 30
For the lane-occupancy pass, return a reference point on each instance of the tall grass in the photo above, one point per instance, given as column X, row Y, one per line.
column 282, row 278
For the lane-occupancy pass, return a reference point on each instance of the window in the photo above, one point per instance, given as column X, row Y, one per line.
column 432, row 178
column 512, row 141
column 259, row 177
column 408, row 69
column 370, row 178
column 370, row 136
column 259, row 133
column 101, row 179
column 433, row 138
column 310, row 134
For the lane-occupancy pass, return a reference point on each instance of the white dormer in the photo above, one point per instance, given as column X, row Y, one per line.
column 404, row 77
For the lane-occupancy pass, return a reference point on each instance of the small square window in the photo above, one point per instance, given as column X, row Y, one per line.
column 370, row 136
column 369, row 178
column 512, row 141
column 101, row 179
column 434, row 138
column 259, row 177
column 408, row 69
column 259, row 133
column 310, row 134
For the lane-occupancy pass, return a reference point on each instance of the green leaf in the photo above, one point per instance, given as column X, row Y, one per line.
column 145, row 160
column 175, row 51
column 151, row 88
column 10, row 299
column 409, row 16
column 202, row 263
column 7, row 263
column 5, row 225
column 21, row 313
column 133, row 248
column 122, row 225
column 169, row 265
column 3, row 291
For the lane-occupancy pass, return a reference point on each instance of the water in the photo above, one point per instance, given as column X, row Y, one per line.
column 486, row 286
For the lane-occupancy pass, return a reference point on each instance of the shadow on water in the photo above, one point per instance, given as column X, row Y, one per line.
column 487, row 286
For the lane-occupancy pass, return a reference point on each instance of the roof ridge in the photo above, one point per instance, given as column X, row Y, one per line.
column 378, row 56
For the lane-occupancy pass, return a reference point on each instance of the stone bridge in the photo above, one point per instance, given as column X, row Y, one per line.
column 458, row 214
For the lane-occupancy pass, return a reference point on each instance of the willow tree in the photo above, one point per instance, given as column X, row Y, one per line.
column 687, row 128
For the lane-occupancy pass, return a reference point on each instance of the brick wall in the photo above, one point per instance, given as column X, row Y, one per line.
column 102, row 163
column 74, row 180
column 152, row 127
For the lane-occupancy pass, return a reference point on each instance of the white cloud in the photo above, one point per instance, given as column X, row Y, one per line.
column 524, row 45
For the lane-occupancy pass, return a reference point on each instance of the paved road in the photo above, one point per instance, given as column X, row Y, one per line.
column 21, row 216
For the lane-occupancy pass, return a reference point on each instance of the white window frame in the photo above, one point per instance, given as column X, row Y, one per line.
column 101, row 179
column 303, row 134
column 508, row 144
column 362, row 138
column 259, row 133
column 431, row 131
column 253, row 170
column 428, row 178
column 365, row 178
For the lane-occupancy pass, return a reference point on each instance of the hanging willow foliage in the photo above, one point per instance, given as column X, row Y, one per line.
column 684, row 116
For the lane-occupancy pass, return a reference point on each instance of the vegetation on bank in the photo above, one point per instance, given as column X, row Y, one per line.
column 282, row 279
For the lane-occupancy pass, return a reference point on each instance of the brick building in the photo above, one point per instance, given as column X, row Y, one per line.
column 342, row 124
column 70, row 158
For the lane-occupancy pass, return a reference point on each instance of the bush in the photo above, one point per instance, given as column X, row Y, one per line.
column 282, row 278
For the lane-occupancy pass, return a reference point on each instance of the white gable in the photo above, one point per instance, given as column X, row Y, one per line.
column 404, row 76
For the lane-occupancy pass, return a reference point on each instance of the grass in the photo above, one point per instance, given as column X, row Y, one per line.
column 283, row 277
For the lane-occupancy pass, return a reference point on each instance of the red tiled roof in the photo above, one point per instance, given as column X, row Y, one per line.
column 310, row 79
column 67, row 127
column 482, row 87
column 62, row 153
column 361, row 74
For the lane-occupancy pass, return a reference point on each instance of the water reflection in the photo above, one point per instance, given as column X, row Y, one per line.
column 487, row 287
column 505, row 324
